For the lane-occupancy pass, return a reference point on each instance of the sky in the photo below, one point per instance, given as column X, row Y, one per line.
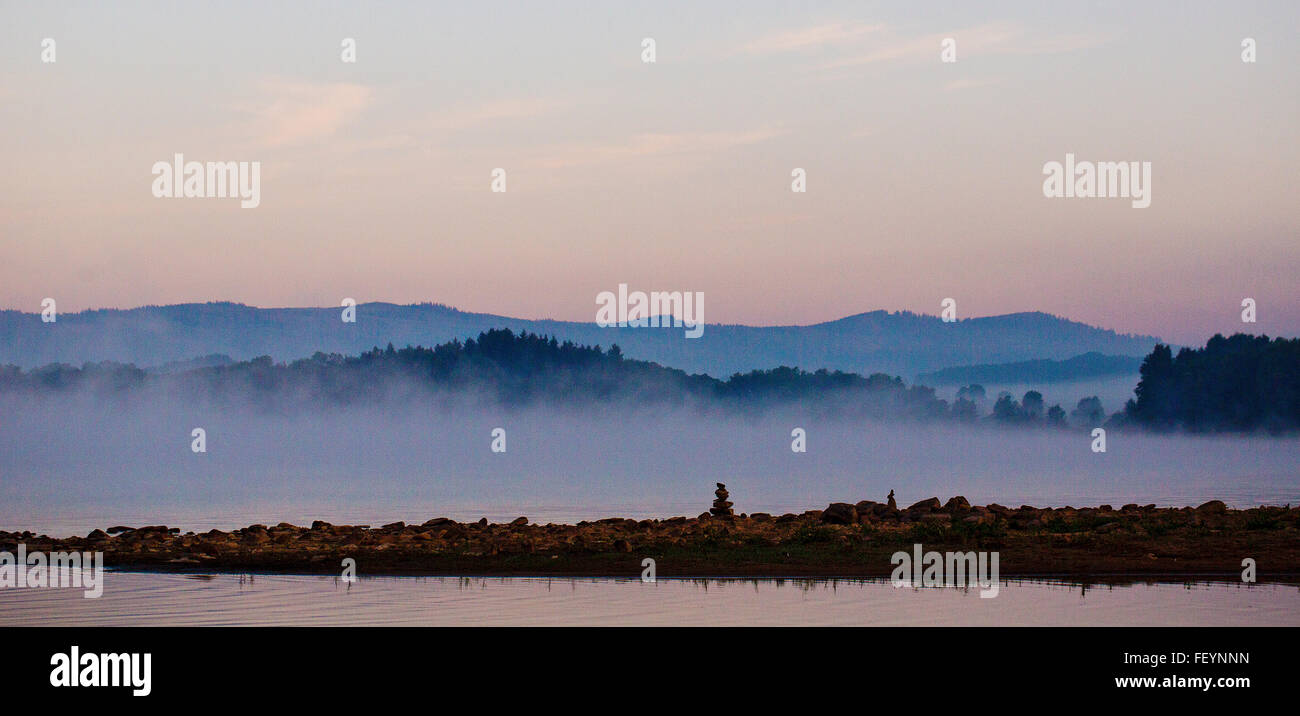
column 923, row 177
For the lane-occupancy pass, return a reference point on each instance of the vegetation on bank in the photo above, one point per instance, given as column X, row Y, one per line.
column 1243, row 383
column 842, row 540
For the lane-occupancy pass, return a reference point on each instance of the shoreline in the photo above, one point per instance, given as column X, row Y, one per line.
column 845, row 540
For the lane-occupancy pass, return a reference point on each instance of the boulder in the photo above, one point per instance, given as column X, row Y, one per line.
column 926, row 505
column 438, row 522
column 840, row 513
column 1213, row 507
column 956, row 504
column 519, row 522
column 868, row 507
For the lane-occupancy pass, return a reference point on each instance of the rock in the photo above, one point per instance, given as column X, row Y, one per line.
column 622, row 545
column 936, row 517
column 721, row 508
column 519, row 522
column 1130, row 507
column 451, row 531
column 926, row 505
column 320, row 525
column 761, row 517
column 1213, row 507
column 97, row 535
column 956, row 504
column 1105, row 508
column 119, row 528
column 840, row 513
column 399, row 525
column 438, row 522
column 891, row 504
column 867, row 507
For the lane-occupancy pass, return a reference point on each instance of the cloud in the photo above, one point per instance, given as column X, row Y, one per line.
column 468, row 117
column 653, row 144
column 810, row 37
column 969, row 84
column 997, row 38
column 289, row 112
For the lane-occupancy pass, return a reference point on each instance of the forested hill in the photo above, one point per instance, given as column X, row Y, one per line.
column 1242, row 383
column 897, row 343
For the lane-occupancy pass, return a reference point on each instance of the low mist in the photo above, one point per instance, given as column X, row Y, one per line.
column 73, row 461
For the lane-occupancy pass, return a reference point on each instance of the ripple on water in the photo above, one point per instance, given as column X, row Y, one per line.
column 153, row 599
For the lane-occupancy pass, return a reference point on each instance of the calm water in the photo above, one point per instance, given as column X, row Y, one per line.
column 152, row 599
column 66, row 471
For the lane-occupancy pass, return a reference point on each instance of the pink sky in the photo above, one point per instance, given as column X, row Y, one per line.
column 924, row 178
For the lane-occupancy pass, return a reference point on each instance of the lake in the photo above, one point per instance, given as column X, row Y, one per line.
column 66, row 469
column 156, row 599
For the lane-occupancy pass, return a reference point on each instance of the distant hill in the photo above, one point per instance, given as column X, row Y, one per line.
column 898, row 343
column 1080, row 367
column 498, row 366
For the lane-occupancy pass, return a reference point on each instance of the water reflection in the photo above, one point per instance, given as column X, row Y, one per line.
column 142, row 598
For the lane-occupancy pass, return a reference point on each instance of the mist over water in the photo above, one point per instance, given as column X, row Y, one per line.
column 74, row 462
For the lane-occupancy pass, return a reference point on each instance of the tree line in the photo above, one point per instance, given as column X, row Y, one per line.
column 1238, row 383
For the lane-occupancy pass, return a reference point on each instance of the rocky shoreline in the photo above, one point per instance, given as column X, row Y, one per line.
column 843, row 540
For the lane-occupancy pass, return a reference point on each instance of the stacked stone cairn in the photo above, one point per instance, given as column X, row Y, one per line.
column 721, row 508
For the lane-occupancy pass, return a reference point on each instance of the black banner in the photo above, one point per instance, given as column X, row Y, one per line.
column 973, row 665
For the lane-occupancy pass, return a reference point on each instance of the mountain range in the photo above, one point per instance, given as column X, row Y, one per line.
column 898, row 343
column 1080, row 367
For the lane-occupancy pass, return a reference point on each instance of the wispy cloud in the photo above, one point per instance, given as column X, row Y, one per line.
column 291, row 112
column 653, row 144
column 839, row 33
column 998, row 38
column 969, row 84
column 471, row 116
